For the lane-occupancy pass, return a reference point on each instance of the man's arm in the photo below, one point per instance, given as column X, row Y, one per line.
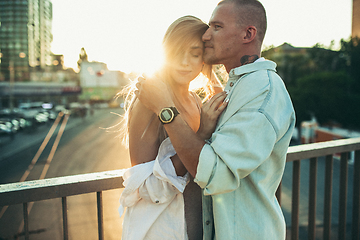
column 188, row 144
column 143, row 138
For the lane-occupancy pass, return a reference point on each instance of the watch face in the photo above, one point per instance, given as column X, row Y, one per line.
column 166, row 115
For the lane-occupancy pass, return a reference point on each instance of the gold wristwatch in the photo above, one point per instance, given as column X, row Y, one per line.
column 168, row 114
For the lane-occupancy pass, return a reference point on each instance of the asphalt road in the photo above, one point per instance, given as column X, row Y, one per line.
column 85, row 147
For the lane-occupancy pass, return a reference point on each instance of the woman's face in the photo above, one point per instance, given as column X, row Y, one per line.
column 188, row 64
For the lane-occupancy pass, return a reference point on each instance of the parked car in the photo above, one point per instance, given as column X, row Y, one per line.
column 34, row 112
column 78, row 109
column 7, row 128
column 15, row 117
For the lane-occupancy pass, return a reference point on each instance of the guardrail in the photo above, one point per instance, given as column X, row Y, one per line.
column 63, row 187
column 312, row 152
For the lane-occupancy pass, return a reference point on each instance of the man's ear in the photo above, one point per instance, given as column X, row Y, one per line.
column 250, row 34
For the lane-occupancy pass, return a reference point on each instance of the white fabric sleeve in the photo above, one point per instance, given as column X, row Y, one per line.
column 163, row 184
column 133, row 178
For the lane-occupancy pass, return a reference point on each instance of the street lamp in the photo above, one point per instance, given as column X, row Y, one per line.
column 12, row 80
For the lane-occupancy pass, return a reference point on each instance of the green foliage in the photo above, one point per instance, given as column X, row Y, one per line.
column 326, row 95
column 350, row 50
column 322, row 82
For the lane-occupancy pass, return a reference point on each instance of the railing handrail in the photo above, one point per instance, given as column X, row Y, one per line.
column 312, row 150
column 62, row 187
column 37, row 190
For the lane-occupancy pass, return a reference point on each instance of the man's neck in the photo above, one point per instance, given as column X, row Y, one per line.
column 246, row 59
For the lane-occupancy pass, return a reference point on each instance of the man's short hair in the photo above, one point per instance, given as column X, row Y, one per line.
column 251, row 12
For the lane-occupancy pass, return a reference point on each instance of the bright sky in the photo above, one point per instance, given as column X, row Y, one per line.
column 127, row 34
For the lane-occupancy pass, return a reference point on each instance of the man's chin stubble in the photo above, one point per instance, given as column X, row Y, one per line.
column 210, row 60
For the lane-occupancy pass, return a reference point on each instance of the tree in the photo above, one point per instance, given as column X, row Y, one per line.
column 328, row 96
column 323, row 59
column 321, row 81
column 350, row 52
column 83, row 57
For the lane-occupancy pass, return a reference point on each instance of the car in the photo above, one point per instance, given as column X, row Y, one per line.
column 15, row 117
column 7, row 128
column 34, row 112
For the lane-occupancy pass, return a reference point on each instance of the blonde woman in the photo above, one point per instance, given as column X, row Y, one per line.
column 160, row 197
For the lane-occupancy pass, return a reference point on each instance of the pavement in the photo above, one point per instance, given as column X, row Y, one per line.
column 26, row 139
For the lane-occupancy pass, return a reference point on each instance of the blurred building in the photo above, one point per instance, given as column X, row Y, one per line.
column 27, row 92
column 355, row 31
column 29, row 71
column 57, row 61
column 98, row 83
column 25, row 37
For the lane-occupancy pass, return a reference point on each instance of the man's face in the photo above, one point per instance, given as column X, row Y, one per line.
column 222, row 39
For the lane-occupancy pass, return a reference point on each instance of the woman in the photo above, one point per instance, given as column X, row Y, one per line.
column 154, row 187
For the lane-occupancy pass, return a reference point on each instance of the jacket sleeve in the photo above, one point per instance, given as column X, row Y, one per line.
column 236, row 149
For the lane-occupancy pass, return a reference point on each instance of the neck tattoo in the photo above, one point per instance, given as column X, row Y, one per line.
column 248, row 59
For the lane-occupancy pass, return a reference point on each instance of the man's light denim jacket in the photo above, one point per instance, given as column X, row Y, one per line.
column 242, row 164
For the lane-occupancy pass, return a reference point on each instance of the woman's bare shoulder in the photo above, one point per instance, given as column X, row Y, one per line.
column 143, row 134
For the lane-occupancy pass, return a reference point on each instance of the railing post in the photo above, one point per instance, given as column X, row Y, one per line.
column 356, row 198
column 328, row 196
column 343, row 194
column 26, row 220
column 295, row 201
column 65, row 221
column 312, row 199
column 100, row 215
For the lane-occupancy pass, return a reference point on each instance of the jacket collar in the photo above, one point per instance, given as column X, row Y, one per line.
column 235, row 76
column 236, row 73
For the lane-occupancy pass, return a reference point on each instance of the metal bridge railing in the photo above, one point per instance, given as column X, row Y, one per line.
column 63, row 187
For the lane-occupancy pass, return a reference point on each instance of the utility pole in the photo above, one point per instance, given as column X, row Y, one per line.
column 355, row 30
column 11, row 85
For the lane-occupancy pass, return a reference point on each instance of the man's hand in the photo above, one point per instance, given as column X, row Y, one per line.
column 153, row 94
column 210, row 113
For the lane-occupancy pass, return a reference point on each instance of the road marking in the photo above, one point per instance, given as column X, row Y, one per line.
column 42, row 147
column 38, row 154
column 54, row 147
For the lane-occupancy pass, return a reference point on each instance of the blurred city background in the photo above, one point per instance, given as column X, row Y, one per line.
column 59, row 114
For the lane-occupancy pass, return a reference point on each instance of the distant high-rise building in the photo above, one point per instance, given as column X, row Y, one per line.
column 355, row 31
column 25, row 37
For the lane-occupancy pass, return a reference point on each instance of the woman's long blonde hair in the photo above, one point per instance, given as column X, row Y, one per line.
column 179, row 34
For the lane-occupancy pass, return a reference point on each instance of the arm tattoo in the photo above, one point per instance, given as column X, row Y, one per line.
column 248, row 59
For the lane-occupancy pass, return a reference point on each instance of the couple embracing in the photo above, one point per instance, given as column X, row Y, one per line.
column 208, row 167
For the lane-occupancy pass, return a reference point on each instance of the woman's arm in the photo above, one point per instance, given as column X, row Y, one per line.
column 143, row 134
column 143, row 138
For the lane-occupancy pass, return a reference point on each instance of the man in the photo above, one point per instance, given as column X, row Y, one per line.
column 239, row 161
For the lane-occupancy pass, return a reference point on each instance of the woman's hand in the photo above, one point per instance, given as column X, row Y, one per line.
column 210, row 113
column 153, row 94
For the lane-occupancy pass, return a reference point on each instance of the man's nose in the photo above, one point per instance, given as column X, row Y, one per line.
column 206, row 36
